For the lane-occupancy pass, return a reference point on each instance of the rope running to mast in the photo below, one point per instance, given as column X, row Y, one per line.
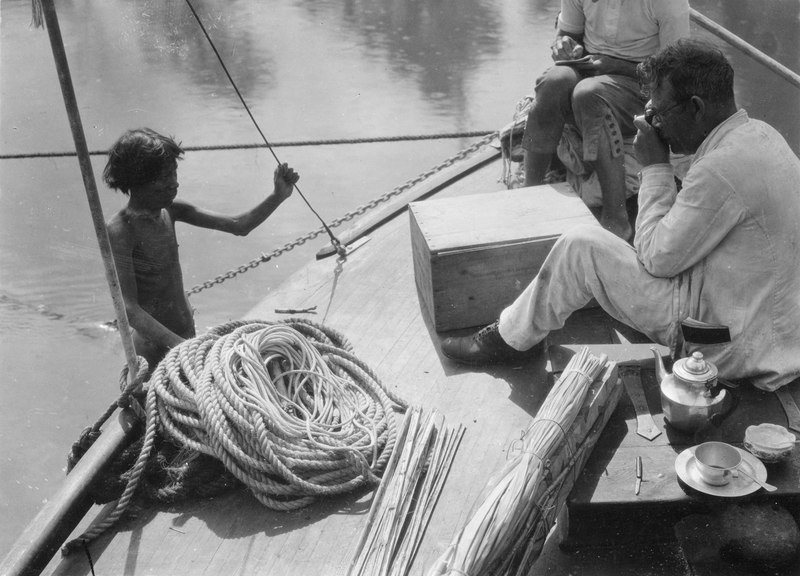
column 335, row 241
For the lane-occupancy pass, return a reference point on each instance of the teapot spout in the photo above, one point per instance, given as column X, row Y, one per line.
column 661, row 371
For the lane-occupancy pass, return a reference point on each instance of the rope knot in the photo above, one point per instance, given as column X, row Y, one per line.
column 87, row 437
column 132, row 389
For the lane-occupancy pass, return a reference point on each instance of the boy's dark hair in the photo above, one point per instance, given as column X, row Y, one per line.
column 139, row 157
column 693, row 68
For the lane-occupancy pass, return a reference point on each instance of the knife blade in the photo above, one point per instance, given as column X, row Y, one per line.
column 790, row 408
column 631, row 375
column 638, row 475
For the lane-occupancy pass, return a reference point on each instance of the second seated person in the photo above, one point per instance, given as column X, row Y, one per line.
column 599, row 94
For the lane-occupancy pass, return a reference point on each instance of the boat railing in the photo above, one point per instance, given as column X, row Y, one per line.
column 732, row 39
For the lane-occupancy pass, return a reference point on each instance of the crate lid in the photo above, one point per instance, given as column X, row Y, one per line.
column 506, row 216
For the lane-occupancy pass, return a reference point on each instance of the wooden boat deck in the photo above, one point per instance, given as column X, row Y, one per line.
column 371, row 298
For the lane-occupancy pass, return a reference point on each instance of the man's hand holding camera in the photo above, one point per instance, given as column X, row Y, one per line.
column 648, row 145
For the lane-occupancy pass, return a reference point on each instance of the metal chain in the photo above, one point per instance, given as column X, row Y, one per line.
column 347, row 217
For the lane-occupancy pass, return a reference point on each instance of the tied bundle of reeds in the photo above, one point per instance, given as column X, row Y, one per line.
column 506, row 532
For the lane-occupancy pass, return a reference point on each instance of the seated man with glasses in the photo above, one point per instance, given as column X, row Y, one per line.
column 592, row 91
column 723, row 251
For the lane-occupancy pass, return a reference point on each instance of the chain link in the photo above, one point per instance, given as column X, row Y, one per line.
column 375, row 202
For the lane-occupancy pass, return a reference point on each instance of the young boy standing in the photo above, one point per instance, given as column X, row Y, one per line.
column 143, row 165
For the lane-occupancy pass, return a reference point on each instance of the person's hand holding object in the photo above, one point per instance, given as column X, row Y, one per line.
column 648, row 145
column 566, row 48
column 284, row 178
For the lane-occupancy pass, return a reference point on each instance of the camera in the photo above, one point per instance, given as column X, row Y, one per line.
column 649, row 114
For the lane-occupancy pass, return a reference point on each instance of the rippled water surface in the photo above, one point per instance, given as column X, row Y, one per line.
column 310, row 71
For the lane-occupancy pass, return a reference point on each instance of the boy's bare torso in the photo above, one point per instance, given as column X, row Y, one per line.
column 156, row 267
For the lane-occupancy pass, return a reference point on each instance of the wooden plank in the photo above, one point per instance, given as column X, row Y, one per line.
column 489, row 218
column 605, row 492
column 398, row 204
column 584, row 451
column 606, row 489
column 471, row 287
column 627, row 353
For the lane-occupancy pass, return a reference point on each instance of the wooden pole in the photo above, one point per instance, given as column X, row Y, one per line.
column 736, row 42
column 59, row 517
column 84, row 159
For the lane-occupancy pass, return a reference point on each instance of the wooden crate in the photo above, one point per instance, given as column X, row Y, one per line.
column 474, row 254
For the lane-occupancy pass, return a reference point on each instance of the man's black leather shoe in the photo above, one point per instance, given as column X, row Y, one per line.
column 484, row 347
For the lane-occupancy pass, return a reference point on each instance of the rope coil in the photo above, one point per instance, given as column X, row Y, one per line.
column 285, row 406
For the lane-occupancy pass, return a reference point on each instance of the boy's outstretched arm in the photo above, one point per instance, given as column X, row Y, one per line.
column 284, row 179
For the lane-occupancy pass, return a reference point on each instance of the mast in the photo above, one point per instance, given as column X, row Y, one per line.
column 84, row 159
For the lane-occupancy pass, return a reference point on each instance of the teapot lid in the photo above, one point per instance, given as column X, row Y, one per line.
column 694, row 369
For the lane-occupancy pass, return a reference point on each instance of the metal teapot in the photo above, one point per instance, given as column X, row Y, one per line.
column 689, row 396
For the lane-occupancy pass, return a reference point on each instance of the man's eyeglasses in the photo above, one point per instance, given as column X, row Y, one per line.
column 652, row 115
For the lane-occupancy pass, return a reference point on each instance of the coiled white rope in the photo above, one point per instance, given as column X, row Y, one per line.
column 285, row 406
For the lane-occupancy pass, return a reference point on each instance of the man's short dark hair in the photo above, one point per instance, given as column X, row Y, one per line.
column 138, row 157
column 693, row 68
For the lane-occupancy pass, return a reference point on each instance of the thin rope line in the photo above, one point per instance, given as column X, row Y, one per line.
column 335, row 241
column 579, row 373
column 549, row 421
column 515, row 450
column 545, row 463
column 88, row 556
column 286, row 144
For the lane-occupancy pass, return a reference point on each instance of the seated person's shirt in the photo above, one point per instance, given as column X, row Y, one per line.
column 630, row 30
column 729, row 240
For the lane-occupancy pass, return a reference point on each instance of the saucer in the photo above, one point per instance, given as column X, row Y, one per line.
column 685, row 466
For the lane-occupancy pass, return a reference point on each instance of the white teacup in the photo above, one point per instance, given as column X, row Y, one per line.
column 717, row 462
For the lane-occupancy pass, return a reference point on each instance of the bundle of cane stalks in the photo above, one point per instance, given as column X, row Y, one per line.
column 507, row 529
column 404, row 502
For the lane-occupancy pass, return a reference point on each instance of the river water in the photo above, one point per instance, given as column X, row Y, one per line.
column 310, row 72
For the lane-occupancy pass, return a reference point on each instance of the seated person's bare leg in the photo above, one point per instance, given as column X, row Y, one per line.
column 546, row 118
column 604, row 107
